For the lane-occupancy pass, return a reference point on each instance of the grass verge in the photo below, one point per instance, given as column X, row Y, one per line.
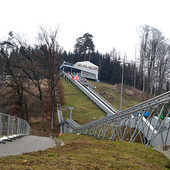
column 83, row 152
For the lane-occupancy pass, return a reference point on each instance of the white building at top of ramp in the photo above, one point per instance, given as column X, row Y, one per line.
column 86, row 68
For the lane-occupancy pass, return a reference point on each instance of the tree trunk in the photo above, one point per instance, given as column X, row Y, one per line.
column 42, row 115
column 53, row 108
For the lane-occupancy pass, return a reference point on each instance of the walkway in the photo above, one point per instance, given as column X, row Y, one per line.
column 26, row 144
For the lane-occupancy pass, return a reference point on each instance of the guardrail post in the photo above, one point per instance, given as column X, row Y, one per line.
column 65, row 128
column 18, row 129
column 12, row 125
column 71, row 113
column 61, row 129
column 8, row 131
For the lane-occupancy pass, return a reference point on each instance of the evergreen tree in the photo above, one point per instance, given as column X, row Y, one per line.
column 84, row 45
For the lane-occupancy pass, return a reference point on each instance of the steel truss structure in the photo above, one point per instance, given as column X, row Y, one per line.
column 130, row 124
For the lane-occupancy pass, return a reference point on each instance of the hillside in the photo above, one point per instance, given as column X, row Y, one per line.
column 83, row 152
column 86, row 111
column 131, row 96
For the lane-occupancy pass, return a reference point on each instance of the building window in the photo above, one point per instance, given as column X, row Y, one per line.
column 85, row 66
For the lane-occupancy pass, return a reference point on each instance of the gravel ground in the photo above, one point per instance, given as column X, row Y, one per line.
column 164, row 149
column 26, row 144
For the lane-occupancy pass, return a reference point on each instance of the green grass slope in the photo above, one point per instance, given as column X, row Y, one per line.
column 111, row 93
column 83, row 152
column 84, row 110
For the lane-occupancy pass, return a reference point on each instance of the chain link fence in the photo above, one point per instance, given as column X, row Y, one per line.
column 12, row 127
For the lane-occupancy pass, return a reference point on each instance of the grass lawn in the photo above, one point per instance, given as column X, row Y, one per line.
column 83, row 152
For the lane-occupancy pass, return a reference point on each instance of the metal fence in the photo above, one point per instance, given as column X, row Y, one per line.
column 68, row 126
column 12, row 127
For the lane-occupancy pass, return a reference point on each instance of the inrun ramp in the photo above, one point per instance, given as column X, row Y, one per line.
column 94, row 96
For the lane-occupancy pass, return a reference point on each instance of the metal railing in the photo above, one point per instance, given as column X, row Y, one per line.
column 12, row 127
column 68, row 126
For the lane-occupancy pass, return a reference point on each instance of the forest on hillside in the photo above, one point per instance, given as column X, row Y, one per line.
column 31, row 73
column 29, row 77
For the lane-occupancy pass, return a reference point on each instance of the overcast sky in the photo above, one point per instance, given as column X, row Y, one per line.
column 113, row 23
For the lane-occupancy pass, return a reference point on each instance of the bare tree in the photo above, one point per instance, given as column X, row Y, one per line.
column 32, row 65
column 23, row 66
column 12, row 77
column 51, row 51
column 143, row 53
column 153, row 59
